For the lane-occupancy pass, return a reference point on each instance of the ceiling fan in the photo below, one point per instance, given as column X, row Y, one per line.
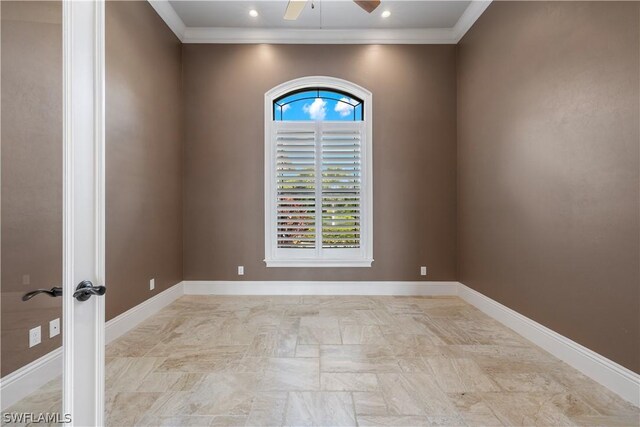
column 294, row 8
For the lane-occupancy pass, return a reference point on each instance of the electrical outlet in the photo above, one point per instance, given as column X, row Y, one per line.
column 34, row 336
column 152, row 284
column 423, row 271
column 241, row 270
column 54, row 327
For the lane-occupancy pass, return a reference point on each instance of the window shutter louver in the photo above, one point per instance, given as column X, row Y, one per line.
column 341, row 187
column 296, row 188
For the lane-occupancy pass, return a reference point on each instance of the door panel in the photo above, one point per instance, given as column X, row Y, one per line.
column 52, row 209
column 32, row 186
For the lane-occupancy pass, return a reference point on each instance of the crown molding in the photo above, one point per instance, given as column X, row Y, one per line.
column 169, row 16
column 471, row 14
column 320, row 36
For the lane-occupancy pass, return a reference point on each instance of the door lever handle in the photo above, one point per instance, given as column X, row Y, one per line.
column 85, row 290
column 53, row 292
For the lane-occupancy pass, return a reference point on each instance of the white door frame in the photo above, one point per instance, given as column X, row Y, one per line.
column 83, row 212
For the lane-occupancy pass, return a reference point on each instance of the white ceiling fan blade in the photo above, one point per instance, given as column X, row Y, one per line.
column 294, row 9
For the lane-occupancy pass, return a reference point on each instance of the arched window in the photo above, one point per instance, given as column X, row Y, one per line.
column 318, row 198
column 318, row 104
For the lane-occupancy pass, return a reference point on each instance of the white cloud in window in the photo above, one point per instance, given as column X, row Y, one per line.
column 316, row 110
column 285, row 107
column 343, row 108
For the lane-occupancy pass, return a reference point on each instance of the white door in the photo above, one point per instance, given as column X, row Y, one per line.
column 84, row 237
column 52, row 212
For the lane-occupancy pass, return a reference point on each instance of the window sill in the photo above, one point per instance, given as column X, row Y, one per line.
column 318, row 263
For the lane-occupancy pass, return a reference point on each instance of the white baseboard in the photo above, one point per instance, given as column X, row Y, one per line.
column 615, row 377
column 21, row 383
column 128, row 320
column 318, row 288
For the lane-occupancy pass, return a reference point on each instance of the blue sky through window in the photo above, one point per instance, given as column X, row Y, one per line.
column 318, row 104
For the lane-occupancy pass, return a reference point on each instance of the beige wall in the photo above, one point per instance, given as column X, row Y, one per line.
column 31, row 175
column 414, row 155
column 143, row 155
column 548, row 182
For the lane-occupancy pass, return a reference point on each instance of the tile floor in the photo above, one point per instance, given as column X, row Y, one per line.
column 339, row 361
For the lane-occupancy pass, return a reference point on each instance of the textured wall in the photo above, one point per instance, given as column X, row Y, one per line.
column 548, row 182
column 144, row 155
column 414, row 155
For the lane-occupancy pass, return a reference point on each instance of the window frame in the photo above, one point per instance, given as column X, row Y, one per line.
column 275, row 257
column 360, row 102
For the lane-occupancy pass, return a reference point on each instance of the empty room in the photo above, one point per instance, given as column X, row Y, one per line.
column 320, row 213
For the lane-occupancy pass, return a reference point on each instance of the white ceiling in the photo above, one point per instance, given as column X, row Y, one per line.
column 331, row 21
column 334, row 14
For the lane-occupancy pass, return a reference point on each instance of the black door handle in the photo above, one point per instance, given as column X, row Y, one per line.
column 85, row 289
column 54, row 292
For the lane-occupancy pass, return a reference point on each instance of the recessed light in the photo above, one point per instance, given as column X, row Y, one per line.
column 386, row 14
column 253, row 13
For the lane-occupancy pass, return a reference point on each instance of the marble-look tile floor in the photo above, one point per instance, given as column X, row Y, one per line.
column 341, row 361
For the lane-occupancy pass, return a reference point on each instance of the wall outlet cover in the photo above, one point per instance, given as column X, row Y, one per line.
column 54, row 327
column 241, row 270
column 423, row 271
column 34, row 336
column 152, row 284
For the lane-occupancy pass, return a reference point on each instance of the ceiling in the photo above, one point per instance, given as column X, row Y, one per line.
column 338, row 14
column 330, row 21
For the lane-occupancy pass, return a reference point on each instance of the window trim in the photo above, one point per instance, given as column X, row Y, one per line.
column 366, row 241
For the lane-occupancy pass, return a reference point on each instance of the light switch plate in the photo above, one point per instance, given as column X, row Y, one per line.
column 152, row 284
column 54, row 327
column 241, row 270
column 34, row 336
column 423, row 271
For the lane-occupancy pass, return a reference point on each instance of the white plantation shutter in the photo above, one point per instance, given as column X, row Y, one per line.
column 341, row 185
column 295, row 188
column 317, row 207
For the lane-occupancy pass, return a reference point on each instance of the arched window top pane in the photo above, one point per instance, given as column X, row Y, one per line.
column 312, row 104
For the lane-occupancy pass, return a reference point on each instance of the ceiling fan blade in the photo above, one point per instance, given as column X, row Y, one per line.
column 294, row 9
column 368, row 5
